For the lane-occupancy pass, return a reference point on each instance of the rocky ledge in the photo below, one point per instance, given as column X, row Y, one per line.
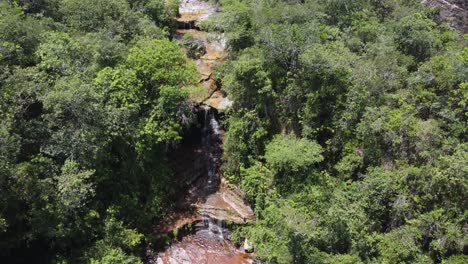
column 454, row 12
column 192, row 14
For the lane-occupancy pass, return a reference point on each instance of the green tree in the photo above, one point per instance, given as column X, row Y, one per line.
column 290, row 155
column 19, row 35
column 249, row 84
column 417, row 36
column 117, row 244
column 160, row 62
column 121, row 87
column 74, row 186
column 245, row 139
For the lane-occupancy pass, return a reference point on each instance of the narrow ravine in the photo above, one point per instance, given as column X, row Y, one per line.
column 208, row 202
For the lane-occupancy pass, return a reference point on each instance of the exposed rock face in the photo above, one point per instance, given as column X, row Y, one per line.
column 196, row 10
column 235, row 199
column 455, row 12
column 193, row 13
column 219, row 100
column 196, row 164
column 202, row 248
column 186, row 24
column 227, row 205
column 208, row 202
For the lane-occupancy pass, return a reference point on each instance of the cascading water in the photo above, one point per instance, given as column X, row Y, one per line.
column 205, row 201
column 211, row 136
column 214, row 125
column 210, row 144
column 209, row 243
column 213, row 227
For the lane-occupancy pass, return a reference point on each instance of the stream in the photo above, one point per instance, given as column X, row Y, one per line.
column 208, row 202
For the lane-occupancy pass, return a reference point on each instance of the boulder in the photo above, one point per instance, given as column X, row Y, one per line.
column 247, row 246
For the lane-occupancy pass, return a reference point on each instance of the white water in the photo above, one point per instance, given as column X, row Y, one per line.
column 215, row 227
column 215, row 125
column 211, row 132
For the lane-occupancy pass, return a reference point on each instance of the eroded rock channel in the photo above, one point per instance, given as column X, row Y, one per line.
column 207, row 202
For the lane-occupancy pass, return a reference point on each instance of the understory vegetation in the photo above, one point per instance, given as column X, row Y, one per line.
column 348, row 132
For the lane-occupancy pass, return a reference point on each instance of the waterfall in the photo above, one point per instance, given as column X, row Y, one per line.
column 211, row 133
column 210, row 123
column 214, row 125
column 214, row 227
column 220, row 225
column 211, row 172
column 198, row 158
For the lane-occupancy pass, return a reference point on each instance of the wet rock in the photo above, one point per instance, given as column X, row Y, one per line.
column 206, row 203
column 205, row 248
column 186, row 24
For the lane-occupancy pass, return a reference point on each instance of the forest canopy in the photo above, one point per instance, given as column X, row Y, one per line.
column 90, row 99
column 348, row 132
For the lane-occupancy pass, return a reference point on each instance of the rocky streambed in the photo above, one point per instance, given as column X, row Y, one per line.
column 207, row 203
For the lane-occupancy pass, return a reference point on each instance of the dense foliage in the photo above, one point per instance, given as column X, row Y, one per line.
column 349, row 130
column 90, row 100
column 348, row 133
